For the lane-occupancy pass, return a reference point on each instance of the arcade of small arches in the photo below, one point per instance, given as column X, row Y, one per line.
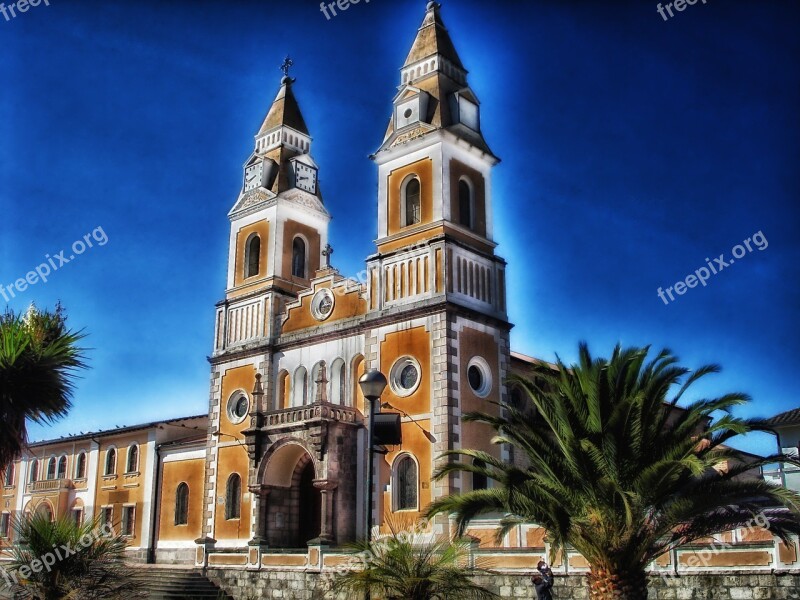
column 324, row 383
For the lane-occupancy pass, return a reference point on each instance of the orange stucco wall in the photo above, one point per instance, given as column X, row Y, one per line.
column 121, row 489
column 262, row 229
column 174, row 473
column 475, row 435
column 346, row 304
column 423, row 169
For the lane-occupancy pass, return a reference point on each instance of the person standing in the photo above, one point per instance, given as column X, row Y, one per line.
column 543, row 581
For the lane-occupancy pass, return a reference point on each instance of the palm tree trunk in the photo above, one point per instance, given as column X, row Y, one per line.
column 611, row 583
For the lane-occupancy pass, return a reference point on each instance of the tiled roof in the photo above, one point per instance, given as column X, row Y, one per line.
column 790, row 417
column 284, row 111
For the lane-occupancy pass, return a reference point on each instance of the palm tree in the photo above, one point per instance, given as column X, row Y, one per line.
column 54, row 560
column 406, row 566
column 617, row 470
column 39, row 358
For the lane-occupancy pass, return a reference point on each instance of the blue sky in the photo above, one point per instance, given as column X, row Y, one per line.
column 633, row 149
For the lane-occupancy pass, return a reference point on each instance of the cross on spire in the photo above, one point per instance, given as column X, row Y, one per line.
column 326, row 252
column 287, row 64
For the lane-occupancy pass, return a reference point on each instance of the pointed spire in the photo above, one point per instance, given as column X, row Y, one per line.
column 284, row 110
column 433, row 39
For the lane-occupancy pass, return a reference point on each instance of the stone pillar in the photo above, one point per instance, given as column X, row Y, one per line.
column 327, row 490
column 261, row 495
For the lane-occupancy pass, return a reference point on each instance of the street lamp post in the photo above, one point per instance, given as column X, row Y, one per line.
column 372, row 383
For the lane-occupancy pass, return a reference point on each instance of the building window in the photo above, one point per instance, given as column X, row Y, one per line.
column 128, row 520
column 77, row 516
column 107, row 517
column 299, row 258
column 464, row 204
column 46, row 511
column 406, row 484
column 182, row 505
column 111, row 461
column 133, row 459
column 479, row 377
column 34, row 472
column 405, row 376
column 412, row 202
column 5, row 525
column 51, row 468
column 479, row 481
column 9, row 478
column 238, row 407
column 233, row 497
column 80, row 466
column 62, row 468
column 252, row 256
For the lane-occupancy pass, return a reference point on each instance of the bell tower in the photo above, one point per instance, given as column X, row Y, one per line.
column 279, row 226
column 437, row 302
column 435, row 234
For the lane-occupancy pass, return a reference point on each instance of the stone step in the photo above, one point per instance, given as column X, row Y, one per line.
column 177, row 584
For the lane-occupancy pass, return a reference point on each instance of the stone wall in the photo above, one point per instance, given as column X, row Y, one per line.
column 303, row 585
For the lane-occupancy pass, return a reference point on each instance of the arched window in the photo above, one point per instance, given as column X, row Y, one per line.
column 62, row 468
column 252, row 256
column 9, row 479
column 111, row 461
column 479, row 481
column 412, row 204
column 133, row 459
column 182, row 505
column 299, row 258
column 300, row 387
column 80, row 466
column 33, row 474
column 51, row 468
column 405, row 484
column 233, row 497
column 44, row 510
column 464, row 204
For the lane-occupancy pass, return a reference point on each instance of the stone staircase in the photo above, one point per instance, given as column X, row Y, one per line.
column 162, row 583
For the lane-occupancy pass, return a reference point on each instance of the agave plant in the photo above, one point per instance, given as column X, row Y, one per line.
column 39, row 359
column 617, row 470
column 61, row 559
column 412, row 566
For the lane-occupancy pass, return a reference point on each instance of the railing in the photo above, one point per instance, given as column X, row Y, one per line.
column 300, row 414
column 47, row 485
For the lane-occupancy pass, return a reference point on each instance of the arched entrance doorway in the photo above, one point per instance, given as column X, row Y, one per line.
column 291, row 511
column 310, row 506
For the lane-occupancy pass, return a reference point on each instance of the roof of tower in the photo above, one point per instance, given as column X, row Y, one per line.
column 284, row 110
column 432, row 39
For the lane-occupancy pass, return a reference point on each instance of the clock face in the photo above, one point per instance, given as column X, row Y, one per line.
column 253, row 176
column 306, row 177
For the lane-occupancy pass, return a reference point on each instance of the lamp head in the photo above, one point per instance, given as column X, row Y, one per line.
column 372, row 383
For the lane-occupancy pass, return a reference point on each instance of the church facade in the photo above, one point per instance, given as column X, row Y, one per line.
column 275, row 475
column 431, row 316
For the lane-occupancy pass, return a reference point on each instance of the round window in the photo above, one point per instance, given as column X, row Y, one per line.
column 238, row 407
column 408, row 113
column 479, row 376
column 404, row 377
column 322, row 304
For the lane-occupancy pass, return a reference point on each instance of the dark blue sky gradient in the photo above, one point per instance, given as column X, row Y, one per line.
column 632, row 149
